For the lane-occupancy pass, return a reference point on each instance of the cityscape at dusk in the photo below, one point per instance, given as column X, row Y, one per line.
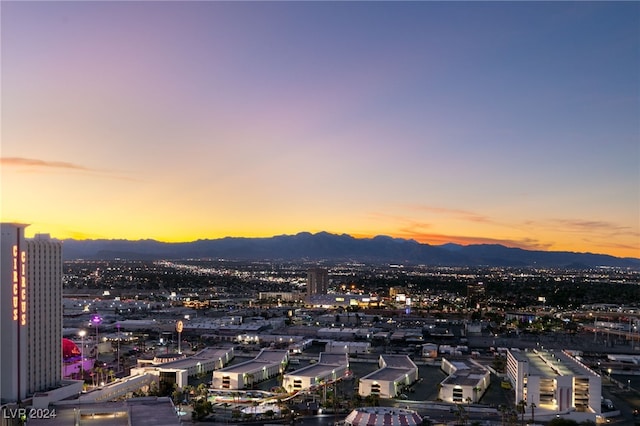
column 470, row 122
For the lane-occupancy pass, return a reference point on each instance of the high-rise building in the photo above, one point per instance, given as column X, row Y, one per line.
column 317, row 281
column 475, row 294
column 30, row 313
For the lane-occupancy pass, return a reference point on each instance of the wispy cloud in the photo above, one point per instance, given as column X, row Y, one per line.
column 39, row 164
column 457, row 213
column 589, row 228
column 36, row 165
column 422, row 231
column 433, row 238
column 438, row 239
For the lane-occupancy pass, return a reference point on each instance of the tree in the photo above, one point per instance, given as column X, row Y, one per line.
column 153, row 389
column 373, row 399
column 532, row 405
column 461, row 414
column 522, row 405
column 177, row 395
column 202, row 390
column 201, row 409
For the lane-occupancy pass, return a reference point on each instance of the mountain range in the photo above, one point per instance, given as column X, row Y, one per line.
column 333, row 247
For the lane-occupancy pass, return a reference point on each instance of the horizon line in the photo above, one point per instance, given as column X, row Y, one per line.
column 490, row 241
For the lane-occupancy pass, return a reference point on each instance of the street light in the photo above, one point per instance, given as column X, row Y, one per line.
column 96, row 320
column 118, row 360
column 82, row 333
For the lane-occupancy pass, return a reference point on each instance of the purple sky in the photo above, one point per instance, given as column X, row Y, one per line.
column 510, row 122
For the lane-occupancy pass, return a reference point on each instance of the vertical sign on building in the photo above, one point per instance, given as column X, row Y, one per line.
column 19, row 283
column 23, row 288
column 16, row 284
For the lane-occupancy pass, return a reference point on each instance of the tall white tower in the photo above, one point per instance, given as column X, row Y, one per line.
column 13, row 312
column 30, row 313
column 44, row 314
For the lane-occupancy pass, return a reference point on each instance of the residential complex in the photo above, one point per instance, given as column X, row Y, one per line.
column 394, row 374
column 554, row 380
column 330, row 367
column 268, row 363
column 466, row 382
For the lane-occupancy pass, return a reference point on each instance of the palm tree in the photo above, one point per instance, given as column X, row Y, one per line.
column 177, row 396
column 462, row 414
column 202, row 390
column 532, row 405
column 99, row 373
column 522, row 404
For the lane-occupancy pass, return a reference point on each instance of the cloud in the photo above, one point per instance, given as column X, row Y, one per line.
column 34, row 164
column 421, row 231
column 458, row 213
column 39, row 164
column 593, row 227
column 435, row 239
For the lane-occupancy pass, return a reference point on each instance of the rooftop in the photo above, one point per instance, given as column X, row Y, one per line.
column 204, row 355
column 398, row 361
column 333, row 359
column 552, row 363
column 387, row 374
column 388, row 416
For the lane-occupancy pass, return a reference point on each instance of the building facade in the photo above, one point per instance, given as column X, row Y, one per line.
column 317, row 281
column 267, row 364
column 554, row 381
column 329, row 368
column 44, row 316
column 395, row 373
column 466, row 381
column 30, row 313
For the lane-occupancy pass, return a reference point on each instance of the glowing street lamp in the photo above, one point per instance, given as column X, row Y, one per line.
column 82, row 333
column 96, row 320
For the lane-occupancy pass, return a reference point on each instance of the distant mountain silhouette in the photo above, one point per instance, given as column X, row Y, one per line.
column 332, row 247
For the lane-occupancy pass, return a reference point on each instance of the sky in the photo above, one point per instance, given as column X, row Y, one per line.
column 514, row 123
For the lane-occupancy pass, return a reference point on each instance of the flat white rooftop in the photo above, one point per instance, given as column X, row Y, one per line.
column 205, row 355
column 552, row 363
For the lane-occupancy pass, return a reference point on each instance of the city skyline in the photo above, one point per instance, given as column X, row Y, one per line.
column 486, row 122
